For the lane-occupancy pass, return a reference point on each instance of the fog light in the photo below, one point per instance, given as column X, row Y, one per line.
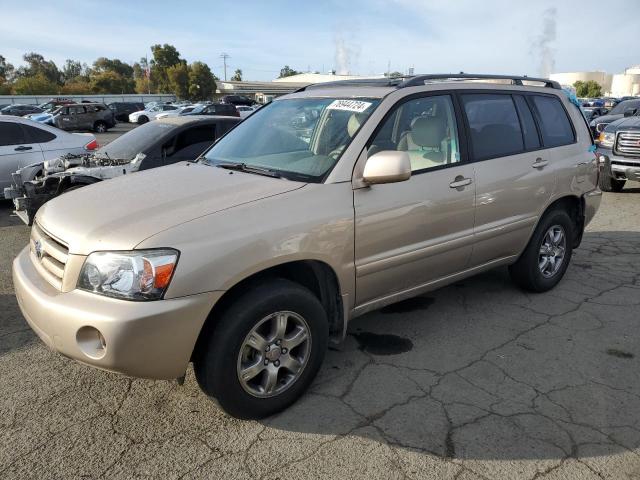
column 91, row 342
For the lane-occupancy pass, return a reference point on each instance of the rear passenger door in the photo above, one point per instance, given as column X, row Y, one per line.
column 16, row 151
column 515, row 176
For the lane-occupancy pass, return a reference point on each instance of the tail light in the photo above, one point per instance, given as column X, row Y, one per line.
column 92, row 145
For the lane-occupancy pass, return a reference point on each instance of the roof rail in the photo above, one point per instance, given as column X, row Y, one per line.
column 417, row 80
column 358, row 82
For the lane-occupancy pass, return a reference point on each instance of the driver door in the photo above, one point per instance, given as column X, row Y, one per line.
column 412, row 233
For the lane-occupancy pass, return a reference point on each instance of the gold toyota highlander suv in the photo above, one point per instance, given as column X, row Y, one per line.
column 323, row 205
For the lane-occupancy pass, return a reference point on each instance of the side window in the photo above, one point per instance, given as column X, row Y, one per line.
column 38, row 135
column 554, row 123
column 423, row 127
column 529, row 129
column 193, row 141
column 11, row 134
column 76, row 110
column 494, row 125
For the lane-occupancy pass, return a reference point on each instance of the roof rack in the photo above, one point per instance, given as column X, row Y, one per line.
column 417, row 80
column 515, row 80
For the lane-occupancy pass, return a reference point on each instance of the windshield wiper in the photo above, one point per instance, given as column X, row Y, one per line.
column 243, row 167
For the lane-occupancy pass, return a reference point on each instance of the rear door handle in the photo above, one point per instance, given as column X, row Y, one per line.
column 460, row 181
column 540, row 163
column 22, row 148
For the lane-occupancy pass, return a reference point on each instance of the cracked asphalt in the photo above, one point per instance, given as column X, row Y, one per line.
column 476, row 380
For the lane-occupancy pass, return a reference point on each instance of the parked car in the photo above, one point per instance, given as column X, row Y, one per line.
column 84, row 116
column 24, row 142
column 175, row 113
column 591, row 113
column 248, row 261
column 122, row 110
column 44, row 117
column 20, row 110
column 619, row 149
column 225, row 109
column 238, row 100
column 152, row 145
column 150, row 113
column 245, row 111
column 598, row 125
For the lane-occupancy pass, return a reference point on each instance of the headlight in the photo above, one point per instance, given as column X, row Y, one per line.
column 606, row 139
column 136, row 275
column 600, row 127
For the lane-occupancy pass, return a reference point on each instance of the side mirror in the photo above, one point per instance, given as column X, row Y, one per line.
column 388, row 166
column 630, row 112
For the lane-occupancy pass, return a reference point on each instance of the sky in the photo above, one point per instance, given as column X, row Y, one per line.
column 365, row 37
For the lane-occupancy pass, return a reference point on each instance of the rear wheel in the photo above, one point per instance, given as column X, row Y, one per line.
column 265, row 349
column 100, row 127
column 546, row 258
column 142, row 119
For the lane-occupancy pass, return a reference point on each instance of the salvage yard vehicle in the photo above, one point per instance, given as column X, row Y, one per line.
column 619, row 150
column 20, row 110
column 24, row 142
column 84, row 116
column 149, row 146
column 226, row 109
column 623, row 109
column 122, row 110
column 248, row 261
column 150, row 113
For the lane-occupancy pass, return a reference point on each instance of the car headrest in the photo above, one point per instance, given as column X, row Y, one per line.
column 428, row 131
column 354, row 123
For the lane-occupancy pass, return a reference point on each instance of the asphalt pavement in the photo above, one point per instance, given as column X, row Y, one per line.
column 478, row 380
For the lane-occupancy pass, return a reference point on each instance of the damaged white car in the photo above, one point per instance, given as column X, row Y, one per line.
column 149, row 146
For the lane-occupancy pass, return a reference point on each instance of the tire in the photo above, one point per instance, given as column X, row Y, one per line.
column 226, row 352
column 609, row 184
column 528, row 272
column 100, row 127
column 142, row 119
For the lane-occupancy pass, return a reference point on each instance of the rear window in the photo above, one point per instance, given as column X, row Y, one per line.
column 529, row 129
column 554, row 123
column 494, row 125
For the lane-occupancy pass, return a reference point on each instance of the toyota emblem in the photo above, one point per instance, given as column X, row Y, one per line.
column 37, row 246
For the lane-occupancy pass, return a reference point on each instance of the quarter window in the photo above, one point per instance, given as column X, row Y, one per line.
column 38, row 135
column 554, row 124
column 423, row 127
column 494, row 125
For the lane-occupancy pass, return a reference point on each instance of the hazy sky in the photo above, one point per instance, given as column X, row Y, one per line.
column 359, row 36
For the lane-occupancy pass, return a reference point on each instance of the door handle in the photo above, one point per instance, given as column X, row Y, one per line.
column 22, row 148
column 540, row 163
column 460, row 181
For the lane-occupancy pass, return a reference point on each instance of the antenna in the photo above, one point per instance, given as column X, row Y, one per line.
column 224, row 57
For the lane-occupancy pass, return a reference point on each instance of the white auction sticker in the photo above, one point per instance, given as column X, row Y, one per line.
column 357, row 106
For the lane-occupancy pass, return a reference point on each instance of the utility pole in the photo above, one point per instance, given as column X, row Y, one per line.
column 224, row 57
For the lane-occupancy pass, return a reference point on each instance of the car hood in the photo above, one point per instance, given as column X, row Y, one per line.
column 627, row 123
column 607, row 118
column 118, row 214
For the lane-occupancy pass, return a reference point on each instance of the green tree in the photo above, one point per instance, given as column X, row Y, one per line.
column 111, row 82
column 79, row 85
column 103, row 64
column 202, row 84
column 6, row 70
column 237, row 75
column 287, row 71
column 164, row 56
column 141, row 76
column 393, row 74
column 36, row 65
column 588, row 89
column 178, row 76
column 73, row 69
column 37, row 84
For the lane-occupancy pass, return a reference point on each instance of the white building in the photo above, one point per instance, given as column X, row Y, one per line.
column 616, row 85
column 569, row 78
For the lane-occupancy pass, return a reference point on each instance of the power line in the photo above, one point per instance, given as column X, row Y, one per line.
column 224, row 57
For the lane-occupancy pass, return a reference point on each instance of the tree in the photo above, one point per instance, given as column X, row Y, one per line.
column 588, row 89
column 6, row 70
column 202, row 84
column 287, row 71
column 111, row 82
column 103, row 64
column 237, row 76
column 141, row 76
column 37, row 65
column 164, row 56
column 73, row 69
column 37, row 84
column 79, row 85
column 393, row 74
column 178, row 76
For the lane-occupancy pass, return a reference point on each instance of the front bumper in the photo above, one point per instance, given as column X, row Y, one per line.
column 143, row 339
column 622, row 168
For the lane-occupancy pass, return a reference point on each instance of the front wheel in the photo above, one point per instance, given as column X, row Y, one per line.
column 546, row 258
column 142, row 120
column 100, row 127
column 609, row 184
column 265, row 349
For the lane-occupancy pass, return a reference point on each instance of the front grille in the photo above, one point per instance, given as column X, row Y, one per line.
column 49, row 255
column 628, row 142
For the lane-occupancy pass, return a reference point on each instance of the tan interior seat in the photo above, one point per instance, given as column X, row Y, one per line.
column 426, row 142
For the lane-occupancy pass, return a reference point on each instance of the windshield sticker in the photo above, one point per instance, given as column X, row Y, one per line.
column 357, row 106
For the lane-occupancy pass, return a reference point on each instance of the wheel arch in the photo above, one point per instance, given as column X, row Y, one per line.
column 574, row 206
column 315, row 275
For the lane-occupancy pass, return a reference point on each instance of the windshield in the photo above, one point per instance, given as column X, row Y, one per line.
column 300, row 138
column 127, row 146
column 622, row 106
